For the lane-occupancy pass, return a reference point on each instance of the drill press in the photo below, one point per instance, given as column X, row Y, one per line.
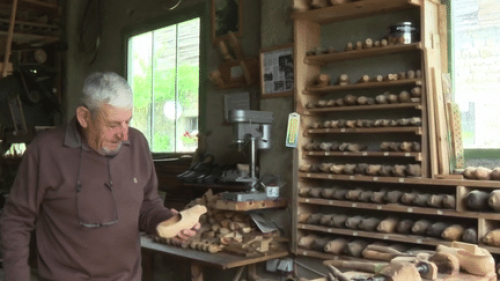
column 252, row 129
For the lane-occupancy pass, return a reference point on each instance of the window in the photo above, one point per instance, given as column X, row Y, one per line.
column 475, row 70
column 163, row 69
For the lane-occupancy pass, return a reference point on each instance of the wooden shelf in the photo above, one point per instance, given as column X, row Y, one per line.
column 31, row 39
column 52, row 9
column 416, row 155
column 398, row 208
column 415, row 130
column 377, row 235
column 250, row 205
column 364, row 53
column 313, row 111
column 354, row 10
column 425, row 181
column 358, row 86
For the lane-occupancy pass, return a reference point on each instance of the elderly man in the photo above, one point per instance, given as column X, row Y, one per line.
column 87, row 189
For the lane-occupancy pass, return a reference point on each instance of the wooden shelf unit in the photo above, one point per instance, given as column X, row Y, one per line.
column 359, row 86
column 414, row 130
column 316, row 111
column 354, row 10
column 323, row 59
column 416, row 155
column 308, row 34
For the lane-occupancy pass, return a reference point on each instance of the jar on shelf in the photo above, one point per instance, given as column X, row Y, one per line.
column 403, row 33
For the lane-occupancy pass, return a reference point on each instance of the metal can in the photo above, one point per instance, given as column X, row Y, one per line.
column 403, row 33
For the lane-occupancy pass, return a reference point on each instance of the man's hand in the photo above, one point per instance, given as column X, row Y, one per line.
column 185, row 234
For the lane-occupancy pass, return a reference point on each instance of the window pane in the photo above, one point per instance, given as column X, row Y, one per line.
column 188, row 84
column 476, row 70
column 140, row 79
column 164, row 70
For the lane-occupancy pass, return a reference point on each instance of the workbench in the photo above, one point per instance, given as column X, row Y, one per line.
column 198, row 259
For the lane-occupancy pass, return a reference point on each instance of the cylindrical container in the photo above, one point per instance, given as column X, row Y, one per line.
column 403, row 32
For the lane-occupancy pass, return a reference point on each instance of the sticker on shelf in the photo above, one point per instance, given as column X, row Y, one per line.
column 364, row 153
column 379, row 207
column 292, row 132
column 327, row 154
column 307, row 200
column 354, row 205
column 419, row 241
column 386, row 153
column 355, row 233
column 351, row 177
column 375, row 178
column 407, row 154
column 343, row 130
column 330, row 176
column 410, row 210
column 439, row 212
column 385, row 237
column 401, row 180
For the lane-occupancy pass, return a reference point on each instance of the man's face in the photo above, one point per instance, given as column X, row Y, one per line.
column 108, row 129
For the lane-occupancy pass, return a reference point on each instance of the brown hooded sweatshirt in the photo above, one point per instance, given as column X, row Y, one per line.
column 44, row 198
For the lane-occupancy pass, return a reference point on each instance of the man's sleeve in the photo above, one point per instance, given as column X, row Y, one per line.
column 152, row 210
column 18, row 218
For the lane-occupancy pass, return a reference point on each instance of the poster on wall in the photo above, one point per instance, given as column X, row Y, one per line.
column 277, row 73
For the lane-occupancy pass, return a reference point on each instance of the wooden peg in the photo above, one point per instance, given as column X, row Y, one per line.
column 421, row 200
column 339, row 221
column 470, row 235
column 378, row 197
column 326, row 219
column 435, row 200
column 449, row 201
column 388, row 225
column 353, row 195
column 436, row 229
column 340, row 194
column 323, row 80
column 355, row 248
column 494, row 200
column 335, row 246
column 368, row 43
column 314, row 218
column 315, row 192
column 350, row 100
column 319, row 244
column 328, row 192
column 420, row 227
column 416, row 92
column 364, row 78
column 349, row 47
column 453, row 232
column 393, row 196
column 369, row 224
column 407, row 198
column 365, row 196
column 477, row 200
column 343, row 80
column 353, row 222
column 306, row 241
column 405, row 226
column 404, row 97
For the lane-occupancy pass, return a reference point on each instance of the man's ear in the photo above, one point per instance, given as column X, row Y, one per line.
column 83, row 116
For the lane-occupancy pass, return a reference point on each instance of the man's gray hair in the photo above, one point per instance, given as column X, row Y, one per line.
column 106, row 88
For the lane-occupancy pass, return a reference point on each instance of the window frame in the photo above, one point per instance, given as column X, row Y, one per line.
column 174, row 17
column 470, row 154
